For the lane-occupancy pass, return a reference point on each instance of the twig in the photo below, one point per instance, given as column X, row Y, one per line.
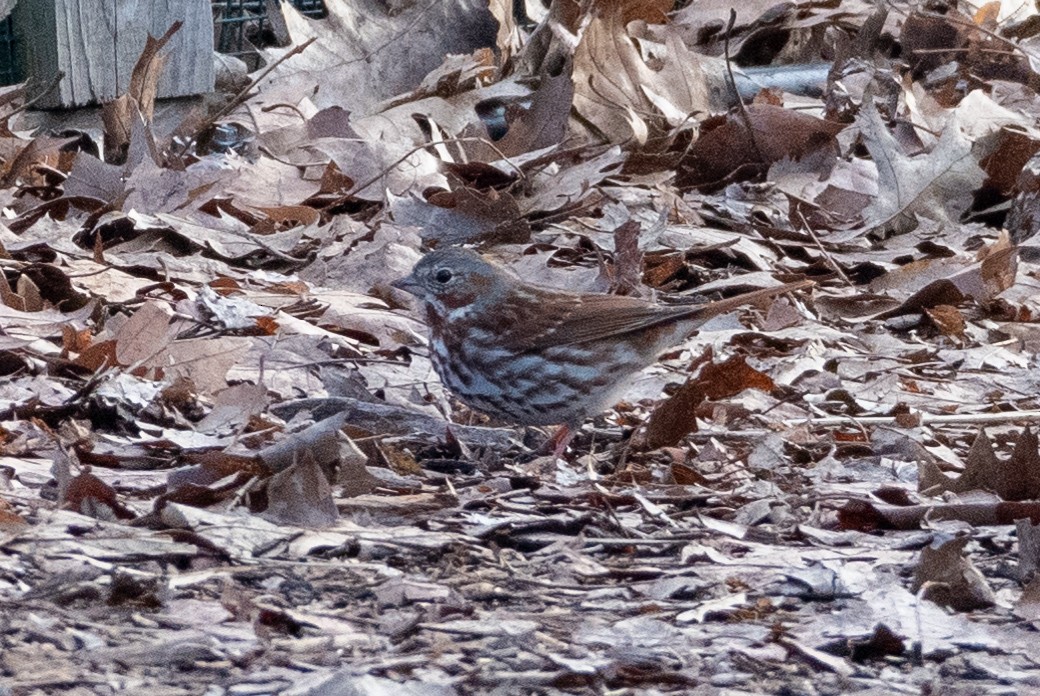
column 29, row 103
column 833, row 421
column 302, row 165
column 1026, row 52
column 292, row 107
column 826, row 254
column 925, row 419
column 741, row 108
column 449, row 141
column 243, row 94
column 616, row 541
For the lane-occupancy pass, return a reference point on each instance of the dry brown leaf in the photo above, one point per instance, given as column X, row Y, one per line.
column 726, row 151
column 1028, row 605
column 332, row 122
column 10, row 520
column 40, row 150
column 947, row 319
column 89, row 495
column 868, row 517
column 144, row 79
column 464, row 216
column 121, row 115
column 368, row 52
column 509, row 38
column 301, row 496
column 541, row 125
column 948, row 578
column 147, row 334
column 675, row 417
column 1014, row 479
column 627, row 270
column 621, row 96
column 1028, row 549
column 203, row 361
column 234, row 407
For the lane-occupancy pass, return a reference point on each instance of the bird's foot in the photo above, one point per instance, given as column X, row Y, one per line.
column 557, row 444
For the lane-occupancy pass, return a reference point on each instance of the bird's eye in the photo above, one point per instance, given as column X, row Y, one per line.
column 443, row 275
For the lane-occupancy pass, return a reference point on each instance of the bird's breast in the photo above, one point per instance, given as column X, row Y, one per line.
column 542, row 386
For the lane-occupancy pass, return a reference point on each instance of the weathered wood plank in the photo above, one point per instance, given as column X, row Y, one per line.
column 97, row 42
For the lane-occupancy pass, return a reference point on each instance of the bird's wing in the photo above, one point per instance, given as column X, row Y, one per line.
column 589, row 318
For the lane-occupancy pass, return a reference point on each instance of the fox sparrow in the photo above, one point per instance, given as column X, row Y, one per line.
column 536, row 356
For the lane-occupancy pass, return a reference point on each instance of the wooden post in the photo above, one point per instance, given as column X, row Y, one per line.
column 96, row 43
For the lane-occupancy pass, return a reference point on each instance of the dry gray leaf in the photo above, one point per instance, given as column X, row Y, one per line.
column 938, row 185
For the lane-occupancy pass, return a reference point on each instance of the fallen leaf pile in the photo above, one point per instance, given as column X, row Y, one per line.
column 228, row 467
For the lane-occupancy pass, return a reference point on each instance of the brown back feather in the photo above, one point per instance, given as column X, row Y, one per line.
column 590, row 317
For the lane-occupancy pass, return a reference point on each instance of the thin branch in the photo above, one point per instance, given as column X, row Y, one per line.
column 826, row 254
column 925, row 419
column 243, row 94
column 354, row 190
column 741, row 108
column 29, row 103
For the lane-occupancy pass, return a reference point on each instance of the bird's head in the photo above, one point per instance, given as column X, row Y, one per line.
column 451, row 279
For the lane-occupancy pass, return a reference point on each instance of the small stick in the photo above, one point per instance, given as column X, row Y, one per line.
column 243, row 94
column 826, row 254
column 925, row 419
column 744, row 115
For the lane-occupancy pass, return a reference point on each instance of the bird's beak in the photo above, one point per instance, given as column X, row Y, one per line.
column 409, row 284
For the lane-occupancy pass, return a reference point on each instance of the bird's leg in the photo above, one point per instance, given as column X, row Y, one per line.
column 557, row 444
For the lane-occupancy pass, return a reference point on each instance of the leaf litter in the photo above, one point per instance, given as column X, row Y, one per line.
column 227, row 465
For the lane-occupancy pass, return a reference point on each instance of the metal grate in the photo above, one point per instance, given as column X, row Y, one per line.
column 10, row 64
column 234, row 21
column 239, row 25
column 310, row 8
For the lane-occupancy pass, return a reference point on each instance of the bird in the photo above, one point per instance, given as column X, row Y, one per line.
column 535, row 356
